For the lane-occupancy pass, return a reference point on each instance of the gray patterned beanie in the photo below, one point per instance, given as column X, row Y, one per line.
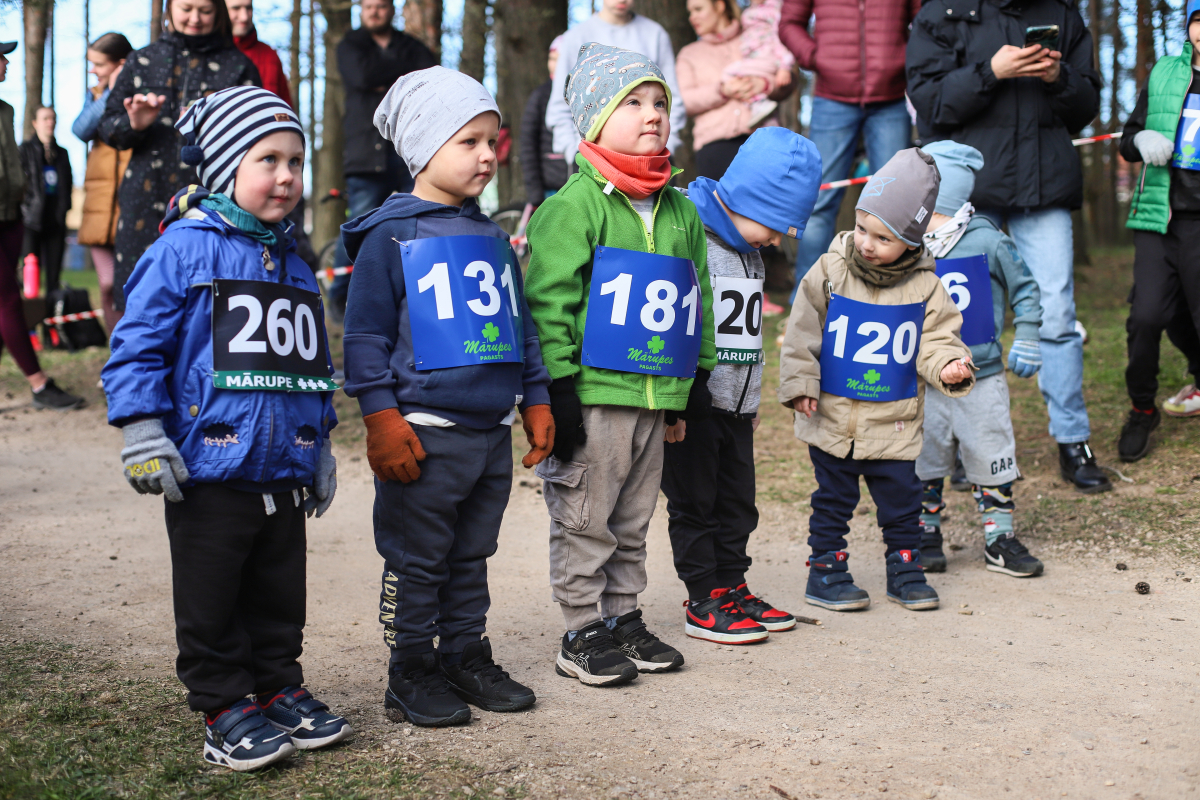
column 603, row 75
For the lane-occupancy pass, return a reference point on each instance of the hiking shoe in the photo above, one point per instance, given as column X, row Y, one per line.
column 1135, row 435
column 52, row 397
column 305, row 718
column 592, row 657
column 480, row 681
column 1078, row 466
column 830, row 584
column 958, row 478
column 1009, row 556
column 722, row 619
column 906, row 581
column 242, row 738
column 763, row 612
column 1185, row 403
column 932, row 556
column 419, row 692
column 647, row 652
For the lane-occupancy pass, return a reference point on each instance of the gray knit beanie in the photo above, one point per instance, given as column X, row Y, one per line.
column 903, row 194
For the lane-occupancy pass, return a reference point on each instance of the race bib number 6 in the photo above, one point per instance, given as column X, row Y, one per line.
column 969, row 284
column 268, row 337
column 869, row 352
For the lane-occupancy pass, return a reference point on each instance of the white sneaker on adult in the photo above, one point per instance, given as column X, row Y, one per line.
column 1185, row 403
column 1082, row 331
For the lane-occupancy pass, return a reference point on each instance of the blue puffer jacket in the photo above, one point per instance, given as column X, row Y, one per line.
column 161, row 363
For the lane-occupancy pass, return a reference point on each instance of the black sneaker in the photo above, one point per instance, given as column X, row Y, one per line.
column 420, row 693
column 763, row 612
column 933, row 558
column 52, row 397
column 721, row 619
column 481, row 682
column 644, row 649
column 1135, row 436
column 1078, row 466
column 592, row 657
column 1009, row 556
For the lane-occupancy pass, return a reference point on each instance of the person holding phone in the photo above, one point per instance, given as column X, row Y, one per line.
column 1014, row 80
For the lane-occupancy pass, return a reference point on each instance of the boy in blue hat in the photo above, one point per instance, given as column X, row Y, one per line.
column 708, row 463
column 981, row 269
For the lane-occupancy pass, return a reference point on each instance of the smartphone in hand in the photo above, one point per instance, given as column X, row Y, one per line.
column 1045, row 35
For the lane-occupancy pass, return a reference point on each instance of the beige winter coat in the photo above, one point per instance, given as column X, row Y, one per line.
column 876, row 431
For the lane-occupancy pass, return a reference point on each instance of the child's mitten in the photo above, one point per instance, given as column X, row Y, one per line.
column 1155, row 148
column 1025, row 357
column 568, row 418
column 699, row 402
column 393, row 448
column 152, row 462
column 324, row 487
column 538, row 423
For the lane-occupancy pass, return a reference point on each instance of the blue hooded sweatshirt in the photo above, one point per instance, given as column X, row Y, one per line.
column 380, row 369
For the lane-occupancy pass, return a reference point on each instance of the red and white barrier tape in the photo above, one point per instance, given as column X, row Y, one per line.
column 93, row 314
column 855, row 181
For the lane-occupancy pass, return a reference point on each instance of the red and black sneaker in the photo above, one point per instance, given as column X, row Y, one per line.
column 763, row 612
column 721, row 619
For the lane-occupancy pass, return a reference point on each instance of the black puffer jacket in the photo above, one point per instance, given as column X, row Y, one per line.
column 1022, row 126
column 184, row 69
column 34, row 208
column 544, row 170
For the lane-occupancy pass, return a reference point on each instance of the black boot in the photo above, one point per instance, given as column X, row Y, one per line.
column 1135, row 436
column 932, row 557
column 1078, row 466
column 481, row 682
column 418, row 691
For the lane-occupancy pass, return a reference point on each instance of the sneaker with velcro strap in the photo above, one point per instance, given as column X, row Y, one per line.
column 647, row 652
column 906, row 582
column 830, row 584
column 305, row 718
column 243, row 739
column 720, row 618
column 592, row 657
column 1008, row 556
column 763, row 612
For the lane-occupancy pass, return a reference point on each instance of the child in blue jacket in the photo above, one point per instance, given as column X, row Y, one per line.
column 220, row 382
column 440, row 350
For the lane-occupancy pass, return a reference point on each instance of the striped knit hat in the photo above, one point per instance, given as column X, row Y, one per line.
column 218, row 131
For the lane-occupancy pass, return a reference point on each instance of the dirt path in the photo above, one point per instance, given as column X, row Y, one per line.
column 1050, row 688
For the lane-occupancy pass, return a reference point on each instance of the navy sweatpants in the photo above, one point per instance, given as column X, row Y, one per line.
column 436, row 535
column 894, row 487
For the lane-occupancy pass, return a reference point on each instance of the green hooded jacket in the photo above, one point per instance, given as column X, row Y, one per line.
column 1150, row 209
column 563, row 236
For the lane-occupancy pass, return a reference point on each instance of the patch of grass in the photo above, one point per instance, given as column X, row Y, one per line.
column 74, row 728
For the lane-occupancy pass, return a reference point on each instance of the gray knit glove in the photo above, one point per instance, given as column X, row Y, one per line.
column 1155, row 148
column 152, row 463
column 324, row 487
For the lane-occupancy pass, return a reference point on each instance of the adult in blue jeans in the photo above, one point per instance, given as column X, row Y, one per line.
column 857, row 51
column 972, row 80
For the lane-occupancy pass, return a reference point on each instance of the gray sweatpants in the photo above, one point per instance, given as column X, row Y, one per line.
column 979, row 425
column 600, row 507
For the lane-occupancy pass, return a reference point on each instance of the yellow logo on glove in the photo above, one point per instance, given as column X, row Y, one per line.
column 138, row 470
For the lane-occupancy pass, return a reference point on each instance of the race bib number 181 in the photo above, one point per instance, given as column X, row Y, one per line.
column 869, row 352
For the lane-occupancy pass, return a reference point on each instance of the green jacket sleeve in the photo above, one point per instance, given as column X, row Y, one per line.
column 698, row 245
column 1023, row 294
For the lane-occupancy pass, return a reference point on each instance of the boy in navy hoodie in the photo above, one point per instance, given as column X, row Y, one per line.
column 219, row 380
column 439, row 350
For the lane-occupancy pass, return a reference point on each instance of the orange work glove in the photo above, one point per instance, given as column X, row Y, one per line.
column 538, row 423
column 393, row 449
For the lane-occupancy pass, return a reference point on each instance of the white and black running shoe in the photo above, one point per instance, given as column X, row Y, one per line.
column 243, row 739
column 593, row 658
column 1009, row 557
column 644, row 649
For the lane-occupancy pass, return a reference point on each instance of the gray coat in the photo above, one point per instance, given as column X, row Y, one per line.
column 735, row 388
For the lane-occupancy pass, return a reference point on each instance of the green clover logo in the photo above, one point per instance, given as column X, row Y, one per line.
column 491, row 332
column 871, row 376
column 655, row 345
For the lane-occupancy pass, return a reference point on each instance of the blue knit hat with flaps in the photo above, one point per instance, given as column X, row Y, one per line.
column 1192, row 7
column 774, row 180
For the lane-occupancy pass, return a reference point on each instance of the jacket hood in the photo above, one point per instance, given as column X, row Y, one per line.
column 186, row 205
column 403, row 206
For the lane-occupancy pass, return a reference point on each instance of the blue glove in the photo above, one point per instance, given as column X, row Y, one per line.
column 1025, row 357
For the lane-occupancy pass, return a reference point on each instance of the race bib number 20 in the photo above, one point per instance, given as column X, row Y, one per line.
column 869, row 352
column 737, row 312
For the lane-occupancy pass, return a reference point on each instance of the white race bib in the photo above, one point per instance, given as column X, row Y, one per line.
column 737, row 311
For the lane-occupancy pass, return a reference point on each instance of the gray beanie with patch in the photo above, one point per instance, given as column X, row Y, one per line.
column 903, row 194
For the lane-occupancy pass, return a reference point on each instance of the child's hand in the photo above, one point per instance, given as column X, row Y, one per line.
column 393, row 449
column 956, row 371
column 143, row 109
column 675, row 433
column 783, row 77
column 538, row 423
column 805, row 405
column 754, row 423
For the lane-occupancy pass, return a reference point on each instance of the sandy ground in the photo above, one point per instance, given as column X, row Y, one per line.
column 1071, row 685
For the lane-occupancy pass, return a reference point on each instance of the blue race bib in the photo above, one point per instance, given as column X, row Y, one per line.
column 1186, row 156
column 464, row 301
column 644, row 314
column 869, row 352
column 969, row 283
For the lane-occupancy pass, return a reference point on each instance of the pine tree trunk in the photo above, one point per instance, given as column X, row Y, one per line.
column 37, row 19
column 474, row 38
column 523, row 30
column 294, row 52
column 328, row 217
column 423, row 19
column 672, row 15
column 1145, row 43
column 156, row 12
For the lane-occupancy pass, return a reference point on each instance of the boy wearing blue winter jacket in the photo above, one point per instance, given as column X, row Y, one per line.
column 440, row 350
column 220, row 382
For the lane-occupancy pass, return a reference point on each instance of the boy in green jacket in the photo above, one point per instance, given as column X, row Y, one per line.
column 615, row 240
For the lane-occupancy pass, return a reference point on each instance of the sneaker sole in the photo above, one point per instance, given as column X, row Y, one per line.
column 776, row 627
column 656, row 667
column 1006, row 571
column 45, row 407
column 851, row 605
column 1195, row 413
column 568, row 669
column 518, row 704
column 1099, row 489
column 314, row 744
column 218, row 757
column 916, row 605
column 395, row 711
column 723, row 638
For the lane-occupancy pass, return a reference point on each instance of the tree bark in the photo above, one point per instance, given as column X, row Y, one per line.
column 156, row 13
column 522, row 32
column 423, row 19
column 37, row 18
column 673, row 16
column 474, row 38
column 1145, row 42
column 328, row 217
column 294, row 52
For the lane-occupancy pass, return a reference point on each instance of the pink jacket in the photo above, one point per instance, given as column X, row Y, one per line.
column 856, row 47
column 699, row 67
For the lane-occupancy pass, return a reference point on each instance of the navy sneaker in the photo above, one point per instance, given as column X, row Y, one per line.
column 906, row 583
column 242, row 738
column 830, row 584
column 305, row 718
column 419, row 692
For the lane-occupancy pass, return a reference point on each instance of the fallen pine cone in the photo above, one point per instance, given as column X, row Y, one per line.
column 1121, row 567
column 1142, row 587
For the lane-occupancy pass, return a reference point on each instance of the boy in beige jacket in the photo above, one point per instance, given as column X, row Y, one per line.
column 871, row 326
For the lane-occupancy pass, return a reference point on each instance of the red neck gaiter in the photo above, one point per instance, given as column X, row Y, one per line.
column 637, row 176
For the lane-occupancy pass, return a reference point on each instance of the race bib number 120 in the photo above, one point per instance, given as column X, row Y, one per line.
column 268, row 337
column 869, row 352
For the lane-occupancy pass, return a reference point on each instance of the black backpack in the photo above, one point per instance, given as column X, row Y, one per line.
column 76, row 335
